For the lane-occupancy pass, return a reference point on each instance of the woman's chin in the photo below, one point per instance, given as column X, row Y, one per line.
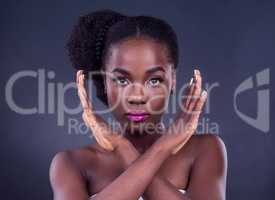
column 140, row 128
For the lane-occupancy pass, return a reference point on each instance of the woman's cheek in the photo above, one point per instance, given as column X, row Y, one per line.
column 113, row 96
column 157, row 100
column 116, row 101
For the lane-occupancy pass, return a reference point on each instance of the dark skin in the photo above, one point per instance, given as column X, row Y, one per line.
column 142, row 164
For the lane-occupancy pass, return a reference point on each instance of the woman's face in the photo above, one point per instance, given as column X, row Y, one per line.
column 139, row 78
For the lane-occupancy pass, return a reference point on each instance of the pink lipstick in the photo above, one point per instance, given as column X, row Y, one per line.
column 137, row 117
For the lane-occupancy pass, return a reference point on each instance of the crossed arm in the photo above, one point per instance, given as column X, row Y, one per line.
column 208, row 176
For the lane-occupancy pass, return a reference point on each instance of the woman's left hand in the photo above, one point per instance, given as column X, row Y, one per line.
column 104, row 135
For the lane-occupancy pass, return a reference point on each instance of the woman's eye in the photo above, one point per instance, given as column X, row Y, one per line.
column 121, row 80
column 155, row 81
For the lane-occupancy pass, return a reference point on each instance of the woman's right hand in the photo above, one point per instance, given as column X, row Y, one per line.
column 185, row 125
column 103, row 133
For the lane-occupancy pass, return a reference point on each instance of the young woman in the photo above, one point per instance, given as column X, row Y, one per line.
column 138, row 57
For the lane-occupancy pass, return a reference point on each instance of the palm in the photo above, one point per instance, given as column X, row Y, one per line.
column 186, row 121
column 102, row 132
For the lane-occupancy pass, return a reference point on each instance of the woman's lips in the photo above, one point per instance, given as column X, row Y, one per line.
column 137, row 117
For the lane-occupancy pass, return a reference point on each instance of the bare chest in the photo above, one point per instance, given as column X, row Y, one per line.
column 176, row 170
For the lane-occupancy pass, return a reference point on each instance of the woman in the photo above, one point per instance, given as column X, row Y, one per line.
column 138, row 57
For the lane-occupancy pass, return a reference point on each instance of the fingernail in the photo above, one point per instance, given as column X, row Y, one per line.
column 204, row 93
column 191, row 81
column 195, row 75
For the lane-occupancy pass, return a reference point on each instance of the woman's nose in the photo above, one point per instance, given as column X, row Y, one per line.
column 136, row 100
column 137, row 95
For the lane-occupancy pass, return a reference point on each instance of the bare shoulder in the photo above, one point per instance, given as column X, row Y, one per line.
column 207, row 147
column 63, row 164
column 74, row 158
column 60, row 159
column 67, row 178
column 208, row 142
column 210, row 150
column 213, row 139
column 67, row 172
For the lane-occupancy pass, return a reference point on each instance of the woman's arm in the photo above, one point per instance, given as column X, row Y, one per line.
column 66, row 179
column 131, row 184
column 159, row 188
column 208, row 177
column 68, row 183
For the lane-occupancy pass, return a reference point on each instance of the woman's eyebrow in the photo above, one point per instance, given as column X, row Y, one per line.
column 154, row 69
column 149, row 71
column 121, row 70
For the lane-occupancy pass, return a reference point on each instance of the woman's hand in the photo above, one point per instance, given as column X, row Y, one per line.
column 104, row 135
column 186, row 122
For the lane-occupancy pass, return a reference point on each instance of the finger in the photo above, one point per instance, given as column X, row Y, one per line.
column 189, row 130
column 84, row 99
column 84, row 117
column 196, row 91
column 182, row 117
column 186, row 99
column 191, row 125
column 201, row 101
column 187, row 95
column 198, row 108
column 78, row 79
column 191, row 91
column 78, row 73
column 99, row 133
column 85, row 92
column 82, row 95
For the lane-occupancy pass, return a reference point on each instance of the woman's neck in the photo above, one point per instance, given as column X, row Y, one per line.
column 142, row 141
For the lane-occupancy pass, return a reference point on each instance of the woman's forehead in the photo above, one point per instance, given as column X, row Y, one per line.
column 141, row 53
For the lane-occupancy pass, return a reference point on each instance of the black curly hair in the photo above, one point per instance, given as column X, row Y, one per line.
column 94, row 32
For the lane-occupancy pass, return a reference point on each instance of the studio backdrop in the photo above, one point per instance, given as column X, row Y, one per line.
column 231, row 42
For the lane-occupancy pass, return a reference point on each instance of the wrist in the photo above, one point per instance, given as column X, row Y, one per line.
column 161, row 146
